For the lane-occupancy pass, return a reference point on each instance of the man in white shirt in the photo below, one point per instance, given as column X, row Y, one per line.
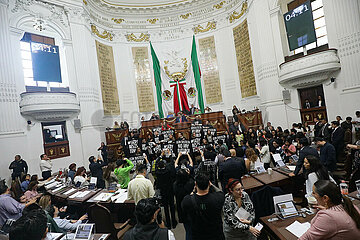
column 140, row 187
column 45, row 166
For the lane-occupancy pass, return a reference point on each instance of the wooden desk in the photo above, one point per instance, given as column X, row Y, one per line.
column 250, row 184
column 85, row 198
column 354, row 195
column 275, row 179
column 277, row 229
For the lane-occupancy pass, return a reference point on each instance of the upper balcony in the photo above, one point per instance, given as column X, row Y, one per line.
column 49, row 106
column 309, row 70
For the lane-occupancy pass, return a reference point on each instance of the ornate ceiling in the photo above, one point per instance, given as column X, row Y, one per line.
column 144, row 3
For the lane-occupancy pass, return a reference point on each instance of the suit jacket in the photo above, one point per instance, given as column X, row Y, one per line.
column 192, row 111
column 317, row 129
column 306, row 107
column 328, row 156
column 337, row 139
column 233, row 167
column 305, row 151
column 325, row 132
column 183, row 119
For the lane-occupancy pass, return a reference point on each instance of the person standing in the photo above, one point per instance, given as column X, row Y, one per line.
column 97, row 171
column 140, row 187
column 327, row 154
column 203, row 210
column 45, row 166
column 19, row 167
column 305, row 150
column 337, row 140
column 122, row 172
column 103, row 149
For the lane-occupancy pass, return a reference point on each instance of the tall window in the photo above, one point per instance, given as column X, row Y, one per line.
column 319, row 24
column 27, row 62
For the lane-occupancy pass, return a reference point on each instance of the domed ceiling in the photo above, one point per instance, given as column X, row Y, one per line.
column 144, row 3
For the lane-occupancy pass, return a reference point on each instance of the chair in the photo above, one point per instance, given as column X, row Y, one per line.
column 101, row 216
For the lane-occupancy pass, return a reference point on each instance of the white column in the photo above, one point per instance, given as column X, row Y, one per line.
column 9, row 97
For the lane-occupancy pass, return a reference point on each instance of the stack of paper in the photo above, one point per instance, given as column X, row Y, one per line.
column 121, row 199
column 75, row 195
column 298, row 229
column 83, row 194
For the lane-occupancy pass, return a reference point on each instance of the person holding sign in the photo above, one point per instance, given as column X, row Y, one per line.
column 238, row 213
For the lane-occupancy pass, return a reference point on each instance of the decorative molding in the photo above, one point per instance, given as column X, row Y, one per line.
column 153, row 20
column 209, row 26
column 185, row 16
column 144, row 37
column 48, row 106
column 118, row 20
column 104, row 35
column 235, row 15
column 85, row 2
column 219, row 5
column 49, row 12
column 309, row 70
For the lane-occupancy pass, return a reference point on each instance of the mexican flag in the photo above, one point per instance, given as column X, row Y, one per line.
column 177, row 76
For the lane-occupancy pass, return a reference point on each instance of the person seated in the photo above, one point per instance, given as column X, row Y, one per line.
column 31, row 191
column 116, row 126
column 170, row 115
column 81, row 177
column 9, row 207
column 140, row 187
column 197, row 111
column 25, row 182
column 63, row 224
column 314, row 171
column 32, row 226
column 149, row 224
column 72, row 171
column 235, row 228
column 251, row 159
column 337, row 217
column 122, row 172
column 289, row 149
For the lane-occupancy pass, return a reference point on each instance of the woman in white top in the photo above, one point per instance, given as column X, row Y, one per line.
column 264, row 153
column 80, row 176
column 314, row 171
column 251, row 159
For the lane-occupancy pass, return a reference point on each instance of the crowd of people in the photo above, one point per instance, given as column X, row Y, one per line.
column 199, row 177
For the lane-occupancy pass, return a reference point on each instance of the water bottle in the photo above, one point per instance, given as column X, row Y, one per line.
column 344, row 188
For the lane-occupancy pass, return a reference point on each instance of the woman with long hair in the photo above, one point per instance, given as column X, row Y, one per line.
column 250, row 159
column 80, row 176
column 235, row 228
column 314, row 171
column 109, row 175
column 337, row 217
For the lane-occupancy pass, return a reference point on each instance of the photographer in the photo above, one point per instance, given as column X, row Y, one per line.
column 149, row 223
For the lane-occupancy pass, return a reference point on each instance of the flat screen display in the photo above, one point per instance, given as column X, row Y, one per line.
column 45, row 62
column 299, row 25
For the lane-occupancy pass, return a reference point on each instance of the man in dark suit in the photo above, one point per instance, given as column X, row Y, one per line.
column 180, row 118
column 236, row 126
column 325, row 130
column 192, row 109
column 337, row 139
column 233, row 167
column 317, row 127
column 327, row 154
column 305, row 150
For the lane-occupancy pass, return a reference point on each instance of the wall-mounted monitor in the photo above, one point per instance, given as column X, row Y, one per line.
column 299, row 25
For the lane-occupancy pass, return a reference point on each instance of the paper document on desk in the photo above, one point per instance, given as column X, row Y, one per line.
column 298, row 229
column 75, row 195
column 69, row 191
column 242, row 214
column 83, row 194
column 121, row 198
column 292, row 168
column 103, row 197
column 121, row 191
